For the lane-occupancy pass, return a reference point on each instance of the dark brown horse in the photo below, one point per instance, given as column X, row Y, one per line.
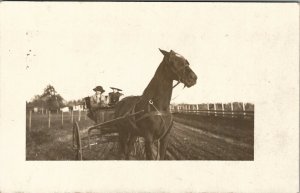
column 156, row 121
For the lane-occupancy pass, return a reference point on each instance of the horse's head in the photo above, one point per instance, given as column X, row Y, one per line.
column 179, row 68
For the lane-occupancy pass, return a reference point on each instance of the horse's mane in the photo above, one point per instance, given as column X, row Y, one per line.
column 156, row 78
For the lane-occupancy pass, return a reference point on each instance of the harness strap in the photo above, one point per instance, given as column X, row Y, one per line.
column 157, row 113
column 133, row 121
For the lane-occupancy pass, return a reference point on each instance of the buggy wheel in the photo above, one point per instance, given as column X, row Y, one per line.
column 77, row 146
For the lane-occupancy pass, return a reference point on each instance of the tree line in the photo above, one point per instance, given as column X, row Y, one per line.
column 51, row 100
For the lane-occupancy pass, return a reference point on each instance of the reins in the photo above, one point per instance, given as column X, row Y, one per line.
column 176, row 84
column 178, row 94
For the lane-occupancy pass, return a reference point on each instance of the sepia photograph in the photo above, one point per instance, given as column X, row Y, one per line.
column 146, row 126
column 138, row 92
column 111, row 100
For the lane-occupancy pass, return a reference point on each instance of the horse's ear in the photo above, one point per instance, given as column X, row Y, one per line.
column 163, row 52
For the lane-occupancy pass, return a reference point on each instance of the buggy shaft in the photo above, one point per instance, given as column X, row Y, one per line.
column 107, row 123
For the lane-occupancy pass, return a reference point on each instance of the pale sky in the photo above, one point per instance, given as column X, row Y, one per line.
column 232, row 48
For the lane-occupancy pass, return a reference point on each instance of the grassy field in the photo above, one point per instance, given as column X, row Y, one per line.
column 55, row 143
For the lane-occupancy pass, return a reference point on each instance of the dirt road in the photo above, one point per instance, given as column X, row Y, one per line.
column 189, row 143
column 186, row 143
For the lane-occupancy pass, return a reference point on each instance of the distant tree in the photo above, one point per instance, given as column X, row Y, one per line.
column 49, row 91
column 55, row 102
column 80, row 101
column 36, row 101
column 49, row 99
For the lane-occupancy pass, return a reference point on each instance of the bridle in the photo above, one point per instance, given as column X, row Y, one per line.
column 179, row 77
column 179, row 72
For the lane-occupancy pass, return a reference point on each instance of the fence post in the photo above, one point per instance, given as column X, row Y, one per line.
column 231, row 107
column 85, row 114
column 244, row 110
column 49, row 119
column 79, row 114
column 30, row 120
column 223, row 109
column 208, row 109
column 215, row 109
column 62, row 119
column 72, row 116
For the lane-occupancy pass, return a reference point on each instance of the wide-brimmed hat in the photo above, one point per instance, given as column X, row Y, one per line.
column 99, row 88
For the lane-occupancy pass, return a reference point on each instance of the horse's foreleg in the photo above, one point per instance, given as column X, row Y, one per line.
column 163, row 147
column 164, row 143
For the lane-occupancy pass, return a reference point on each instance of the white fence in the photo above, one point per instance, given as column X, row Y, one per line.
column 234, row 110
column 49, row 118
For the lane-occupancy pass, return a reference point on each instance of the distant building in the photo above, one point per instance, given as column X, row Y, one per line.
column 65, row 109
column 78, row 107
column 35, row 109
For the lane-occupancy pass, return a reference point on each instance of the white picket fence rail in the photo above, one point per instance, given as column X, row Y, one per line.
column 234, row 110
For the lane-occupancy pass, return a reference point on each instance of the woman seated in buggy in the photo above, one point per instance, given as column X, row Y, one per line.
column 95, row 103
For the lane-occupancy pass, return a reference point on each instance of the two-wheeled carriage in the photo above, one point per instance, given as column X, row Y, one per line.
column 86, row 140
